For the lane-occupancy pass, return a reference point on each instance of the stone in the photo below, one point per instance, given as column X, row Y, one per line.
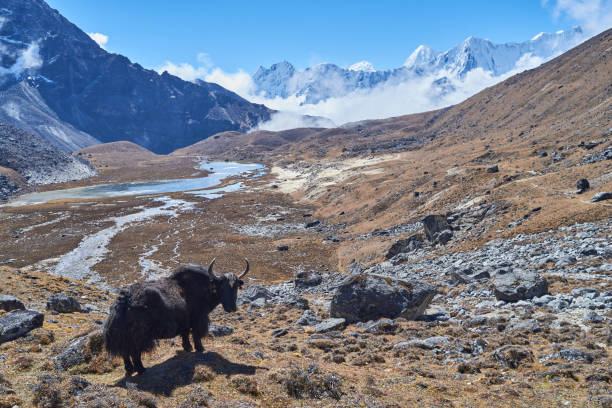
column 307, row 279
column 443, row 237
column 279, row 333
column 220, row 331
column 330, row 325
column 406, row 245
column 80, row 350
column 518, row 285
column 468, row 275
column 8, row 303
column 512, row 356
column 308, row 319
column 62, row 303
column 601, row 196
column 313, row 224
column 363, row 297
column 570, row 354
column 282, row 248
column 493, row 169
column 382, row 326
column 18, row 323
column 255, row 292
column 593, row 317
column 582, row 185
column 433, row 224
column 428, row 343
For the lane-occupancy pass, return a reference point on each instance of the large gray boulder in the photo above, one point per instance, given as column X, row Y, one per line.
column 18, row 323
column 364, row 297
column 63, row 303
column 512, row 286
column 8, row 303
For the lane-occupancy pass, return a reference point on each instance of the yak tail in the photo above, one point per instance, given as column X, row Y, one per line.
column 116, row 328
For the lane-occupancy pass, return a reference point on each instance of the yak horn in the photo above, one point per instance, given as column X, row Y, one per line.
column 245, row 269
column 210, row 269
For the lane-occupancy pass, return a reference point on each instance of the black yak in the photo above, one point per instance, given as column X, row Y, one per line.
column 165, row 308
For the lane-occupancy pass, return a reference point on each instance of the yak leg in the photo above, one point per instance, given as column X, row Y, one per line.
column 186, row 343
column 129, row 367
column 138, row 363
column 199, row 330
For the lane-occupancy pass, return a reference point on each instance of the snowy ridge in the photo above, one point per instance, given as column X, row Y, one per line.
column 324, row 81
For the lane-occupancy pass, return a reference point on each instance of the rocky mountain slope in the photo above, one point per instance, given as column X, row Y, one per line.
column 36, row 160
column 324, row 81
column 52, row 72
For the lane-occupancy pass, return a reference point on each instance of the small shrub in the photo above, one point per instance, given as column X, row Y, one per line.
column 198, row 397
column 47, row 392
column 245, row 385
column 203, row 374
column 312, row 383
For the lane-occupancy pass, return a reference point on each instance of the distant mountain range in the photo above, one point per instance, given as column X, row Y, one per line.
column 325, row 81
column 57, row 83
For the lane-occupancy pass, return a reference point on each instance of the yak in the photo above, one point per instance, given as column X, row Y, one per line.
column 173, row 306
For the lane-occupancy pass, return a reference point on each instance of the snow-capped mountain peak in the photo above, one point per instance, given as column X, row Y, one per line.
column 324, row 81
column 364, row 66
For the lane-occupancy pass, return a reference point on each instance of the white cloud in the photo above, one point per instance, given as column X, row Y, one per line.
column 416, row 94
column 99, row 38
column 594, row 16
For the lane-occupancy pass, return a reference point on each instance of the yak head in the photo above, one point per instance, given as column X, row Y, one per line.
column 227, row 286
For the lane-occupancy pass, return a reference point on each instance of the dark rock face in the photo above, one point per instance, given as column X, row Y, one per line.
column 365, row 297
column 493, row 169
column 435, row 224
column 8, row 303
column 63, row 304
column 519, row 285
column 109, row 97
column 18, row 323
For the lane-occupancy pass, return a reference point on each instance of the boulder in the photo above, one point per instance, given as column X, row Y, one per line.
column 80, row 350
column 433, row 224
column 601, row 196
column 582, row 185
column 308, row 319
column 8, row 303
column 329, row 325
column 429, row 343
column 253, row 293
column 307, row 279
column 406, row 245
column 219, row 331
column 468, row 275
column 493, row 169
column 18, row 323
column 383, row 326
column 364, row 297
column 63, row 303
column 519, row 285
column 443, row 237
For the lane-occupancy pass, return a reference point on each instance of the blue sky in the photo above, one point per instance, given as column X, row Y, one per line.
column 245, row 34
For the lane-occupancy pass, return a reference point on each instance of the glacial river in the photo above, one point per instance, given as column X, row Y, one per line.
column 200, row 186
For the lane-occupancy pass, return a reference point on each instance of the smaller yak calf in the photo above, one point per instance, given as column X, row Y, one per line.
column 165, row 308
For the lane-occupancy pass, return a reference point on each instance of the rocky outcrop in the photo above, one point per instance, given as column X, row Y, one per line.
column 365, row 297
column 601, row 196
column 403, row 246
column 18, row 323
column 437, row 228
